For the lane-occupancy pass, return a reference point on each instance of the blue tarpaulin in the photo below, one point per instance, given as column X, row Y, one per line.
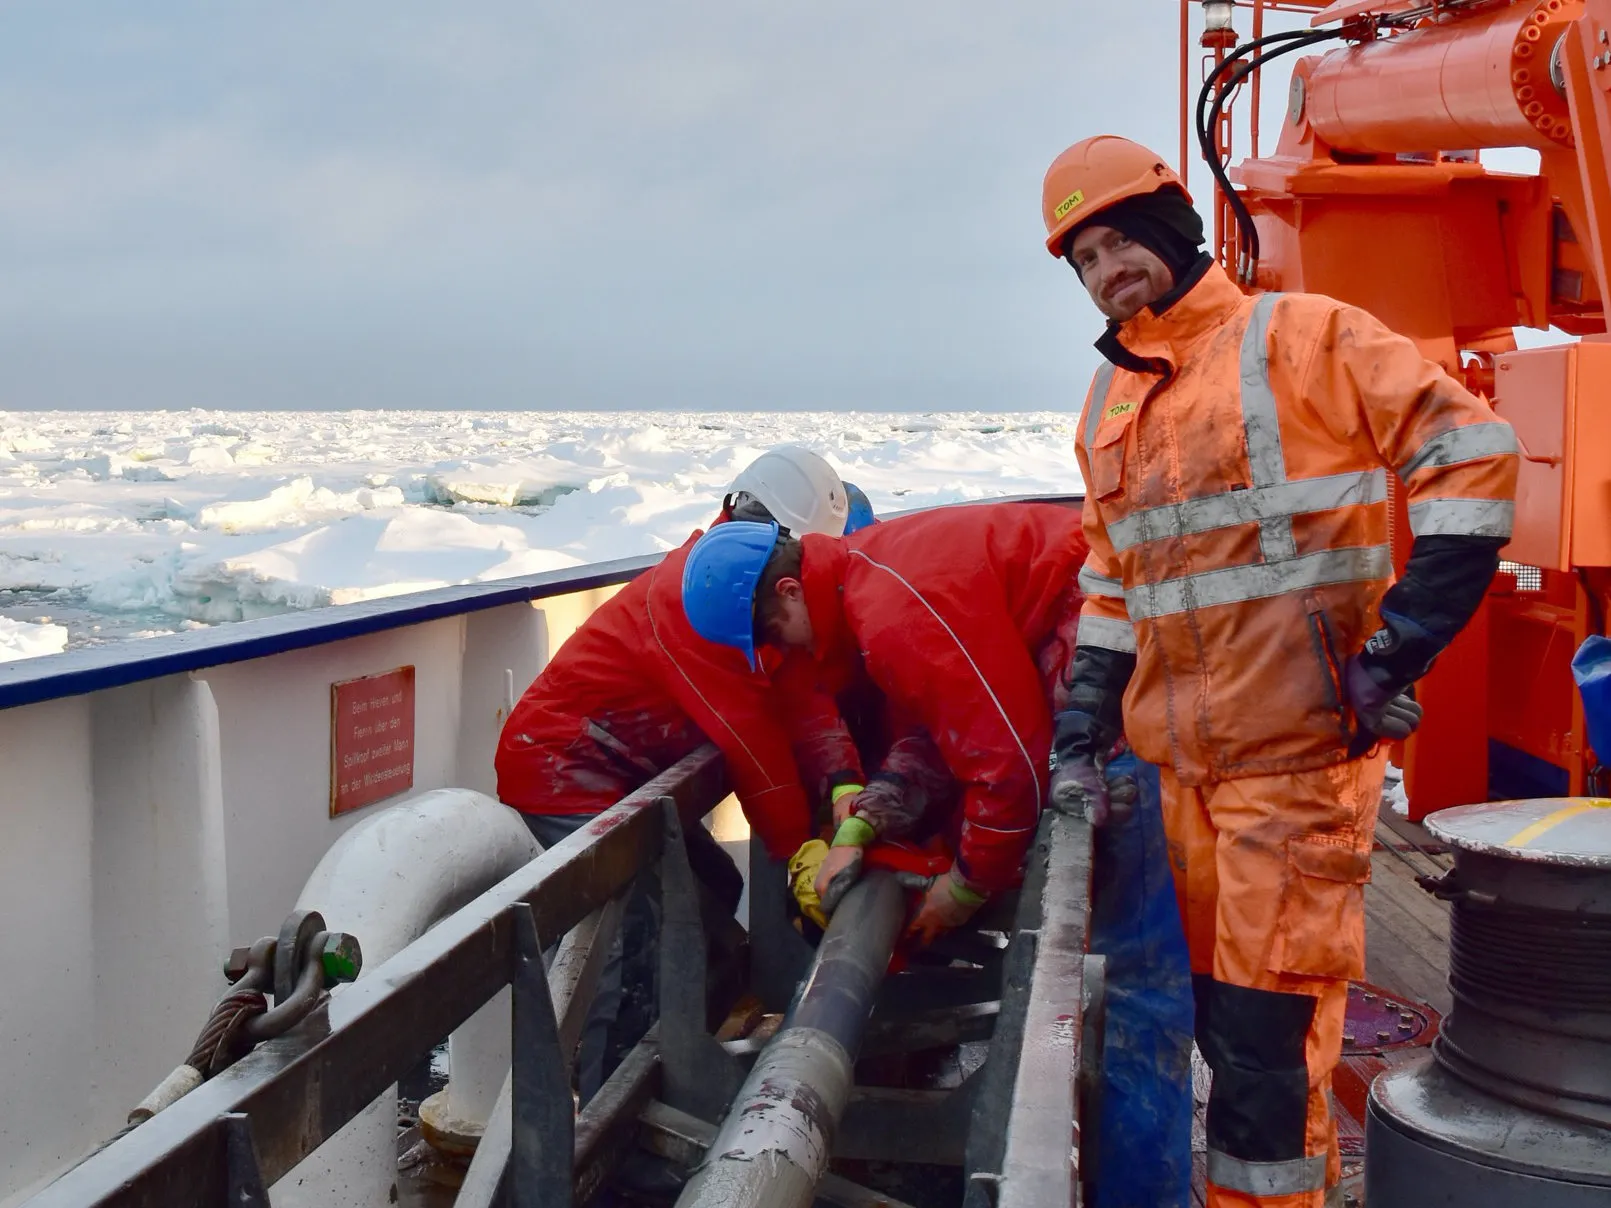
column 1591, row 668
column 1144, row 1136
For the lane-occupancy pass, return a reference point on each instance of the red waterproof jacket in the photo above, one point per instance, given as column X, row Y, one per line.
column 633, row 690
column 847, row 733
column 948, row 609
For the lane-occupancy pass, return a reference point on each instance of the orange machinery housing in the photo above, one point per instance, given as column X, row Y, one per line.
column 1375, row 194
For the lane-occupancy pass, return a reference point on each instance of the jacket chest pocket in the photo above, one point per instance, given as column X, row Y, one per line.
column 1107, row 457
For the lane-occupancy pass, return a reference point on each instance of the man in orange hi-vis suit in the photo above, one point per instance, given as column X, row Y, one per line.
column 1240, row 600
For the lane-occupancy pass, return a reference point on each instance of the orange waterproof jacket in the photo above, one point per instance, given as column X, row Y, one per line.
column 1236, row 475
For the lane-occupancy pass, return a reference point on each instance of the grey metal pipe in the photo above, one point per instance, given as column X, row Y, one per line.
column 774, row 1145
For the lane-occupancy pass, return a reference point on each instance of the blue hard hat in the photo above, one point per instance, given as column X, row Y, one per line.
column 861, row 509
column 719, row 578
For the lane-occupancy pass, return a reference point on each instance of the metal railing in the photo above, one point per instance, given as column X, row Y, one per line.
column 1013, row 1125
column 228, row 1139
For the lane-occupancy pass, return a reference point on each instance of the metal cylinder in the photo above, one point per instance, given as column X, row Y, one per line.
column 1460, row 84
column 386, row 881
column 1530, row 954
column 1513, row 1102
column 775, row 1143
column 1431, row 1141
column 1513, row 1105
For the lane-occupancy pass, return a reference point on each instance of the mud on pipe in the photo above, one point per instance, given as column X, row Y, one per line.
column 774, row 1145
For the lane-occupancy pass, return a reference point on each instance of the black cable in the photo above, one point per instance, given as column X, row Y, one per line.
column 1249, row 254
column 1210, row 152
column 1204, row 139
column 1239, row 53
column 1207, row 123
column 1206, row 142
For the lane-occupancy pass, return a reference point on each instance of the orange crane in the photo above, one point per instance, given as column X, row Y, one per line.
column 1376, row 194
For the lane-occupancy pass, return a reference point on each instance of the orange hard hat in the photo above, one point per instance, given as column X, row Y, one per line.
column 1092, row 175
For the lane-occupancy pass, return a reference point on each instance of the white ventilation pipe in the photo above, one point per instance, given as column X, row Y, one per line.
column 386, row 881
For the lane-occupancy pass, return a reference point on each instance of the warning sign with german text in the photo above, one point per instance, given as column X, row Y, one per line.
column 371, row 739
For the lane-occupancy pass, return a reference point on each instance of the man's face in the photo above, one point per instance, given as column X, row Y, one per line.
column 790, row 622
column 1120, row 275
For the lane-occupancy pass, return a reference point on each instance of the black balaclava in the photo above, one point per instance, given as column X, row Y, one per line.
column 1163, row 222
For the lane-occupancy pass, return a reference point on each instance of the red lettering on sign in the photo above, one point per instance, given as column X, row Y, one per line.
column 371, row 739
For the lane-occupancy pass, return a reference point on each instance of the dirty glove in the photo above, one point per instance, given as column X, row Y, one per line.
column 893, row 803
column 948, row 904
column 803, row 868
column 1082, row 787
column 842, row 867
column 1079, row 788
column 1383, row 710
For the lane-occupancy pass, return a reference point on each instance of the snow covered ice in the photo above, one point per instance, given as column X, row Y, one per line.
column 25, row 640
column 124, row 524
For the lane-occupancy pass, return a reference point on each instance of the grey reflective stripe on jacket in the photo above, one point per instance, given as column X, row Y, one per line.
column 1106, row 632
column 1472, row 442
column 1462, row 517
column 1272, row 507
column 1260, row 581
column 1100, row 385
column 1271, row 501
column 1093, row 584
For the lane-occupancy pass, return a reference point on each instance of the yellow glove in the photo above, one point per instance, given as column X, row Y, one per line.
column 803, row 868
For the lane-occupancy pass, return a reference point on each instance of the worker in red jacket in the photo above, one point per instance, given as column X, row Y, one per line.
column 634, row 690
column 931, row 603
column 841, row 723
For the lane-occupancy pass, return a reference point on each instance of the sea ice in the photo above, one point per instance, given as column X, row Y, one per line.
column 211, row 516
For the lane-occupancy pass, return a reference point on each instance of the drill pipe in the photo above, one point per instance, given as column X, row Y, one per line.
column 775, row 1143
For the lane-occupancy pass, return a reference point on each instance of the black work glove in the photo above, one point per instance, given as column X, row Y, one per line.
column 1081, row 786
column 1383, row 709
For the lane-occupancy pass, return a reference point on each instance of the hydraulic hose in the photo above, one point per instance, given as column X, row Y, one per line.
column 1208, row 116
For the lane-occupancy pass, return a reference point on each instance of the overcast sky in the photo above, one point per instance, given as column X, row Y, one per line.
column 711, row 203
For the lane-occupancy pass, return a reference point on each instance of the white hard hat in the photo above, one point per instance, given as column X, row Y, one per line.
column 800, row 489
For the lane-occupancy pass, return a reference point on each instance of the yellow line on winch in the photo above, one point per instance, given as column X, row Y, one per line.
column 1550, row 821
